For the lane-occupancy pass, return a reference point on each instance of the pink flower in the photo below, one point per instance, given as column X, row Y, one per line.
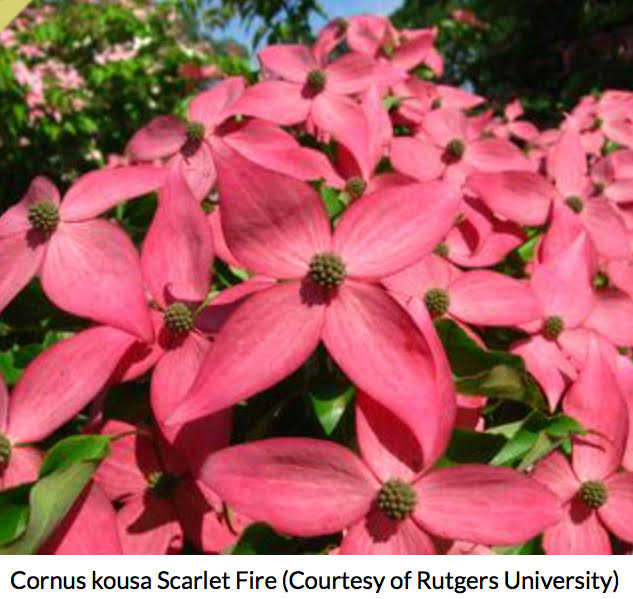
column 90, row 528
column 7, row 38
column 177, row 274
column 562, row 285
column 567, row 166
column 310, row 90
column 87, row 266
column 163, row 502
column 520, row 196
column 597, row 499
column 510, row 125
column 416, row 97
column 478, row 237
column 377, row 37
column 389, row 501
column 192, row 146
column 453, row 147
column 326, row 290
column 116, row 53
column 604, row 118
column 478, row 297
column 613, row 176
column 358, row 167
column 50, row 393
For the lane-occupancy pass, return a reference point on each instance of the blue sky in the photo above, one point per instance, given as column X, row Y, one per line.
column 342, row 8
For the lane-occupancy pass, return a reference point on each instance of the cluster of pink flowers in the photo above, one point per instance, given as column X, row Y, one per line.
column 37, row 79
column 434, row 192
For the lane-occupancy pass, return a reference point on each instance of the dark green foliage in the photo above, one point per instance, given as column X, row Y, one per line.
column 547, row 52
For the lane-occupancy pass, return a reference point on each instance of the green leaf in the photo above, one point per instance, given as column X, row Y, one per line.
column 75, row 449
column 10, row 372
column 332, row 200
column 465, row 356
column 532, row 547
column 51, row 498
column 562, row 425
column 14, row 513
column 533, row 438
column 330, row 410
column 501, row 381
column 515, row 448
column 261, row 539
column 541, row 447
column 473, row 447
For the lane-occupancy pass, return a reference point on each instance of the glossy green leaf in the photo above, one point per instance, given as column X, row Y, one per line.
column 330, row 410
column 14, row 513
column 50, row 500
column 465, row 356
column 75, row 449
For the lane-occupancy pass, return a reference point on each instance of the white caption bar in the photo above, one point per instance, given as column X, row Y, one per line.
column 331, row 576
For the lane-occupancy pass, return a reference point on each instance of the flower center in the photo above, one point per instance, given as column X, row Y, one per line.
column 178, row 318
column 44, row 216
column 397, row 499
column 316, row 80
column 553, row 327
column 437, row 302
column 575, row 203
column 600, row 280
column 327, row 270
column 162, row 484
column 441, row 249
column 355, row 187
column 5, row 450
column 594, row 493
column 437, row 103
column 388, row 49
column 455, row 149
column 195, row 132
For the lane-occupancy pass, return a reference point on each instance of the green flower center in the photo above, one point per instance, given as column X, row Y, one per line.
column 327, row 270
column 162, row 484
column 553, row 327
column 397, row 499
column 178, row 318
column 455, row 149
column 195, row 132
column 388, row 49
column 5, row 450
column 437, row 301
column 316, row 80
column 441, row 249
column 355, row 187
column 597, row 123
column 44, row 216
column 575, row 203
column 593, row 493
column 600, row 280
